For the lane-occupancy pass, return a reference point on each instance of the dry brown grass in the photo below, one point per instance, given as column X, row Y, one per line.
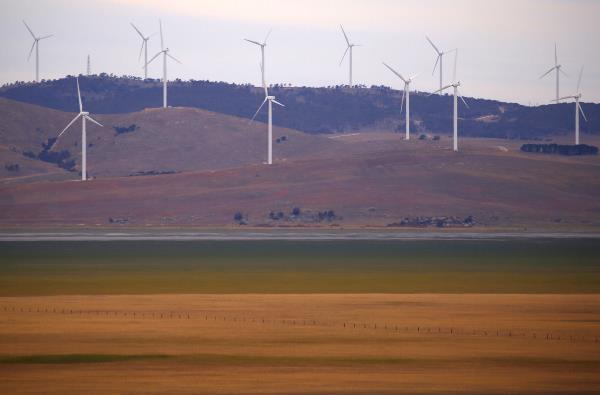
column 307, row 343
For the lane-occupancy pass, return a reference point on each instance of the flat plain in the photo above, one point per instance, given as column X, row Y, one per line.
column 317, row 343
column 455, row 316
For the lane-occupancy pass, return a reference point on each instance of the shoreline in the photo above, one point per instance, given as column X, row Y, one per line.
column 279, row 234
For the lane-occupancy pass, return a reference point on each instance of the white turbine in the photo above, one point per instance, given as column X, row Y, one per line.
column 83, row 115
column 578, row 109
column 144, row 48
column 558, row 69
column 439, row 59
column 348, row 49
column 262, row 52
column 36, row 45
column 455, row 84
column 165, row 52
column 269, row 100
column 405, row 93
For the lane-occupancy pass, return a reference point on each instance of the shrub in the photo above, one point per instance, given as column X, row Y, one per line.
column 12, row 167
column 125, row 129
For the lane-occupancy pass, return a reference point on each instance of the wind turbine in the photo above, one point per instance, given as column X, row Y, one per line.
column 143, row 48
column 405, row 93
column 83, row 115
column 36, row 44
column 262, row 51
column 558, row 69
column 269, row 100
column 440, row 58
column 578, row 108
column 455, row 84
column 348, row 48
column 165, row 52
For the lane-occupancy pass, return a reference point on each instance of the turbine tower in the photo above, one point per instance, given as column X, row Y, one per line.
column 269, row 100
column 36, row 45
column 144, row 48
column 455, row 84
column 262, row 52
column 348, row 49
column 578, row 109
column 83, row 115
column 405, row 93
column 165, row 52
column 89, row 66
column 439, row 59
column 558, row 69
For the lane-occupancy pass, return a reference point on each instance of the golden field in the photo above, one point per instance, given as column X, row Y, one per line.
column 286, row 343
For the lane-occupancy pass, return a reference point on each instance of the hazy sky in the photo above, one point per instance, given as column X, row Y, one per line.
column 505, row 45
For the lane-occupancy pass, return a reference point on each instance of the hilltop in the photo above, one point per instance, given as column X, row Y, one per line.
column 151, row 141
column 334, row 109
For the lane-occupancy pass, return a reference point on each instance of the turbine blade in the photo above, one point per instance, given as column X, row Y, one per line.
column 555, row 55
column 45, row 37
column 172, row 57
column 30, row 32
column 561, row 70
column 564, row 98
column 155, row 56
column 162, row 44
column 345, row 36
column 267, row 36
column 461, row 98
column 31, row 50
column 547, row 72
column 579, row 79
column 343, row 56
column 436, row 63
column 94, row 121
column 439, row 90
column 413, row 77
column 402, row 102
column 433, row 45
column 581, row 110
column 394, row 71
column 264, row 83
column 79, row 96
column 69, row 125
column 276, row 102
column 253, row 42
column 138, row 31
column 455, row 61
column 257, row 111
column 141, row 50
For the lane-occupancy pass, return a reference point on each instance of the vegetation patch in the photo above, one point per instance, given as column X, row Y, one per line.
column 12, row 167
column 125, row 129
column 439, row 222
column 75, row 358
column 569, row 150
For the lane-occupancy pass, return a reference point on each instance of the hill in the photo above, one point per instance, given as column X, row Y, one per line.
column 313, row 110
column 151, row 141
column 366, row 179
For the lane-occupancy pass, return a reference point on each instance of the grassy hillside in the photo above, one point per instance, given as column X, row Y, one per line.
column 313, row 110
column 363, row 180
column 146, row 142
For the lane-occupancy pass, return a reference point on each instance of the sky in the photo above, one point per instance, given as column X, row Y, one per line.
column 504, row 45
